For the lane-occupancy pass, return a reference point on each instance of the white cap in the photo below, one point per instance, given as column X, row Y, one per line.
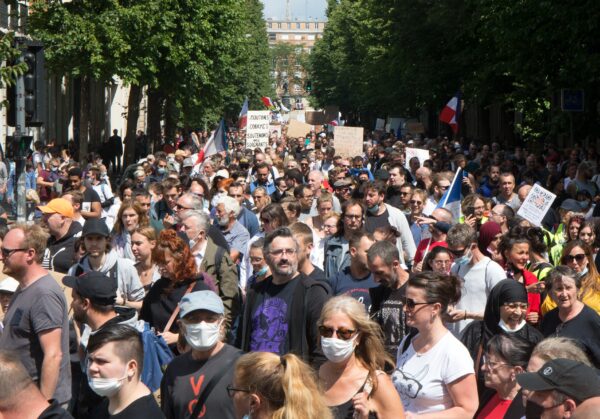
column 8, row 284
column 223, row 173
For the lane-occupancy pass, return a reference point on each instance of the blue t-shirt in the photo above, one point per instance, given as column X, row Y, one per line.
column 343, row 283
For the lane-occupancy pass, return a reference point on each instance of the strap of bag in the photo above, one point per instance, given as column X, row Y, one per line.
column 478, row 357
column 207, row 390
column 176, row 311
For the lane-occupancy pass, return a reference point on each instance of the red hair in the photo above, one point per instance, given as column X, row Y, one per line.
column 185, row 270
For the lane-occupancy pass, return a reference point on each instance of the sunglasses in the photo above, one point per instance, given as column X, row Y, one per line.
column 343, row 334
column 458, row 253
column 412, row 201
column 579, row 258
column 410, row 304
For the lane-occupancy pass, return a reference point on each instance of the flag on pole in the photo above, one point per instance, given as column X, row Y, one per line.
column 268, row 103
column 243, row 117
column 215, row 144
column 451, row 198
column 451, row 112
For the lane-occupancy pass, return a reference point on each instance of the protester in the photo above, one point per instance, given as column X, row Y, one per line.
column 90, row 206
column 267, row 385
column 143, row 243
column 305, row 238
column 130, row 217
column 36, row 325
column 208, row 364
column 337, row 255
column 571, row 318
column 179, row 277
column 434, row 372
column 439, row 259
column 114, row 368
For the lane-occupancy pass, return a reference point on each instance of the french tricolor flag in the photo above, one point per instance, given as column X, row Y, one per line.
column 215, row 144
column 451, row 112
column 243, row 117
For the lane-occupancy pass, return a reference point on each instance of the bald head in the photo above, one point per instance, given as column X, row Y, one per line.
column 442, row 214
column 423, row 173
column 524, row 191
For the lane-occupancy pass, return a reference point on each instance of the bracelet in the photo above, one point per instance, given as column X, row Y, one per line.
column 465, row 314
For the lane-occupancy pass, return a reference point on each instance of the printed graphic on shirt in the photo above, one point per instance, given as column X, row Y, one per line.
column 409, row 385
column 269, row 326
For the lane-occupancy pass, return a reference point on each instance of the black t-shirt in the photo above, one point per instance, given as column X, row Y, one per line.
column 185, row 377
column 270, row 318
column 387, row 310
column 158, row 306
column 374, row 221
column 583, row 328
column 343, row 283
column 142, row 408
column 54, row 411
column 89, row 196
column 317, row 275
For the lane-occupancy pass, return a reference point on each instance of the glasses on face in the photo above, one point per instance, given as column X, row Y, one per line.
column 414, row 202
column 232, row 390
column 444, row 188
column 282, row 252
column 328, row 226
column 404, row 193
column 492, row 364
column 578, row 258
column 8, row 252
column 458, row 253
column 342, row 333
column 410, row 304
column 514, row 306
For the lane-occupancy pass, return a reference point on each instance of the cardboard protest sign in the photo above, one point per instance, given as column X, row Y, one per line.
column 297, row 129
column 421, row 154
column 536, row 205
column 348, row 141
column 415, row 128
column 257, row 129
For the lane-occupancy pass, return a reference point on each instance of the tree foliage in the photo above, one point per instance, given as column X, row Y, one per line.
column 399, row 56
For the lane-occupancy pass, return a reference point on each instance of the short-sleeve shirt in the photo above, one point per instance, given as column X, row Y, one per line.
column 39, row 307
column 270, row 319
column 237, row 237
column 143, row 408
column 387, row 309
column 89, row 196
column 343, row 283
column 186, row 378
column 372, row 222
column 422, row 379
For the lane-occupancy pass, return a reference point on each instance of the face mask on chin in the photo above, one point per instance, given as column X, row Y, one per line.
column 374, row 209
column 106, row 387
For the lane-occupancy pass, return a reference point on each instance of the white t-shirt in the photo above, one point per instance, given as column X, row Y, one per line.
column 422, row 379
column 478, row 281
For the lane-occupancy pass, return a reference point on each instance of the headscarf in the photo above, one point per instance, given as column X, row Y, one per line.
column 505, row 291
column 487, row 233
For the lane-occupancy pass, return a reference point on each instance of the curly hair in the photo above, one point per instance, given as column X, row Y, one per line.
column 185, row 270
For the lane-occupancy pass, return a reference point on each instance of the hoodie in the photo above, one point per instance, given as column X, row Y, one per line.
column 128, row 280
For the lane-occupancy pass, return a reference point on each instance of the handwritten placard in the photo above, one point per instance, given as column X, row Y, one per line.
column 348, row 141
column 258, row 129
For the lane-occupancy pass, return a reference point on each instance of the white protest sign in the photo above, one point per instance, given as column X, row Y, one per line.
column 257, row 129
column 536, row 205
column 421, row 154
column 348, row 141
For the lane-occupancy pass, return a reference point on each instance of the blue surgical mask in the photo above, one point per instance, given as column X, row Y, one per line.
column 464, row 259
column 374, row 209
column 161, row 171
column 262, row 271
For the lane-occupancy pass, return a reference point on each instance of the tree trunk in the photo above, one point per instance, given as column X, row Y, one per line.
column 155, row 111
column 84, row 118
column 133, row 114
column 170, row 119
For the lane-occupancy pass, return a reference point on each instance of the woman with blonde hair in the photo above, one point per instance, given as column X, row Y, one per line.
column 266, row 385
column 130, row 216
column 352, row 377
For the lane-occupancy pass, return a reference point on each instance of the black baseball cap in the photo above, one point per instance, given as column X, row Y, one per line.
column 95, row 226
column 97, row 286
column 573, row 378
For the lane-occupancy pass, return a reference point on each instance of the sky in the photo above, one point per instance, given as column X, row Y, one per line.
column 300, row 9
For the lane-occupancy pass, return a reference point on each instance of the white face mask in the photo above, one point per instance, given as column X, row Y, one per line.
column 338, row 350
column 106, row 387
column 203, row 336
column 507, row 329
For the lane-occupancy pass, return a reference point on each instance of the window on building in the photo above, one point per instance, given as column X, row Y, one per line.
column 289, row 25
column 298, row 37
column 272, row 37
column 310, row 37
column 307, row 25
column 284, row 37
column 270, row 25
column 297, row 25
column 279, row 25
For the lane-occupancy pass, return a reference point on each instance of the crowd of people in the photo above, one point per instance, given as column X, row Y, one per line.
column 293, row 282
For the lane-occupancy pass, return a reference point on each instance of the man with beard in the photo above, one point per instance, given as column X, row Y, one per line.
column 93, row 306
column 490, row 184
column 36, row 323
column 387, row 300
column 236, row 235
column 304, row 236
column 281, row 312
column 57, row 216
column 305, row 195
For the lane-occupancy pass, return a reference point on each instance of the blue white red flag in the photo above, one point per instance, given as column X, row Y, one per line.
column 451, row 198
column 215, row 144
column 451, row 112
column 243, row 117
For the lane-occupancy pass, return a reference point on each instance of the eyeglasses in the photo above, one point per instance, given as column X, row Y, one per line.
column 405, row 193
column 8, row 252
column 232, row 390
column 444, row 188
column 343, row 334
column 410, row 304
column 458, row 253
column 281, row 252
column 579, row 258
column 492, row 365
column 514, row 306
column 412, row 201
